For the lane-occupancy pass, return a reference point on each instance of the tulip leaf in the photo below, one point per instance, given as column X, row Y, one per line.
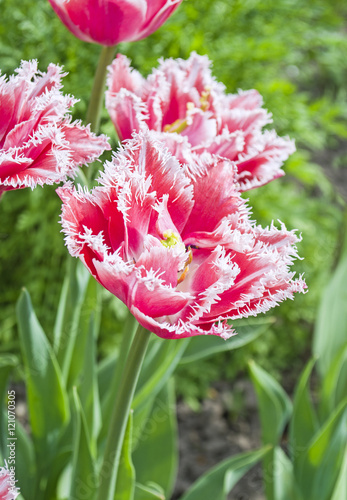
column 316, row 469
column 334, row 388
column 219, row 481
column 159, row 368
column 285, row 487
column 105, row 371
column 156, row 455
column 125, row 486
column 274, row 405
column 148, row 492
column 46, row 395
column 275, row 408
column 202, row 347
column 7, row 363
column 87, row 384
column 84, row 478
column 331, row 326
column 340, row 490
column 304, row 422
column 25, row 463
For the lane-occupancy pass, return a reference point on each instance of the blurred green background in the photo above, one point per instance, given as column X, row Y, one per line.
column 294, row 54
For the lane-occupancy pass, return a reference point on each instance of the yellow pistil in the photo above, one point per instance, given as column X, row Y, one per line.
column 178, row 126
column 204, row 99
column 170, row 238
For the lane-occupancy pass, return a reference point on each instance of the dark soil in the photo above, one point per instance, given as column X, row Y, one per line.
column 227, row 424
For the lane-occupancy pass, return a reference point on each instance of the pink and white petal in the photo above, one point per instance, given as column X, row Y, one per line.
column 153, row 160
column 122, row 75
column 228, row 145
column 280, row 239
column 215, row 195
column 245, row 120
column 264, row 163
column 157, row 13
column 203, row 128
column 7, row 104
column 165, row 262
column 127, row 112
column 245, row 99
column 84, row 145
column 155, row 299
column 117, row 276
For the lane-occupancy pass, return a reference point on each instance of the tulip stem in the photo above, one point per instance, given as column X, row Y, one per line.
column 97, row 95
column 121, row 409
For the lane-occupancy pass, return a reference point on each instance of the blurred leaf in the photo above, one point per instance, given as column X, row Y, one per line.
column 148, row 492
column 334, row 388
column 88, row 386
column 317, row 467
column 202, row 347
column 25, row 463
column 84, row 477
column 156, row 455
column 125, row 485
column 285, row 487
column 219, row 481
column 274, row 405
column 47, row 399
column 304, row 423
column 331, row 326
column 7, row 363
column 105, row 371
column 160, row 363
column 340, row 490
column 275, row 408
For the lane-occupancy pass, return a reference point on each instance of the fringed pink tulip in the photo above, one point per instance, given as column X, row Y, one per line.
column 192, row 114
column 175, row 244
column 38, row 142
column 8, row 489
column 109, row 22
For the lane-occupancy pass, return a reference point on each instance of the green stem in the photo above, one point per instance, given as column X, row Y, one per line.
column 123, row 399
column 97, row 95
column 127, row 338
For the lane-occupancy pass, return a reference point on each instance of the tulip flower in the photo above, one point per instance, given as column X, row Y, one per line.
column 192, row 114
column 176, row 244
column 110, row 22
column 8, row 490
column 38, row 142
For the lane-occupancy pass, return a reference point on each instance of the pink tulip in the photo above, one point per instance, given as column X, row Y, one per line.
column 38, row 142
column 109, row 22
column 8, row 490
column 192, row 114
column 175, row 244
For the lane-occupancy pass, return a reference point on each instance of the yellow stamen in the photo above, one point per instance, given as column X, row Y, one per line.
column 170, row 238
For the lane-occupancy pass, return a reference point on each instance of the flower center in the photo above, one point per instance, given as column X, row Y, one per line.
column 170, row 238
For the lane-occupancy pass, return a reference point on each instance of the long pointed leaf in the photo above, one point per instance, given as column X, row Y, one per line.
column 84, row 478
column 125, row 486
column 304, row 422
column 7, row 363
column 47, row 399
column 219, row 481
column 156, row 455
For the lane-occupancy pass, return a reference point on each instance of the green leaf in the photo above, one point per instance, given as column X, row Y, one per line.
column 7, row 363
column 105, row 371
column 47, row 398
column 156, row 455
column 25, row 464
column 275, row 408
column 148, row 492
column 285, row 487
column 161, row 361
column 304, row 422
column 274, row 404
column 340, row 490
column 316, row 469
column 202, row 347
column 125, row 486
column 334, row 388
column 84, row 477
column 219, row 481
column 331, row 326
column 88, row 386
